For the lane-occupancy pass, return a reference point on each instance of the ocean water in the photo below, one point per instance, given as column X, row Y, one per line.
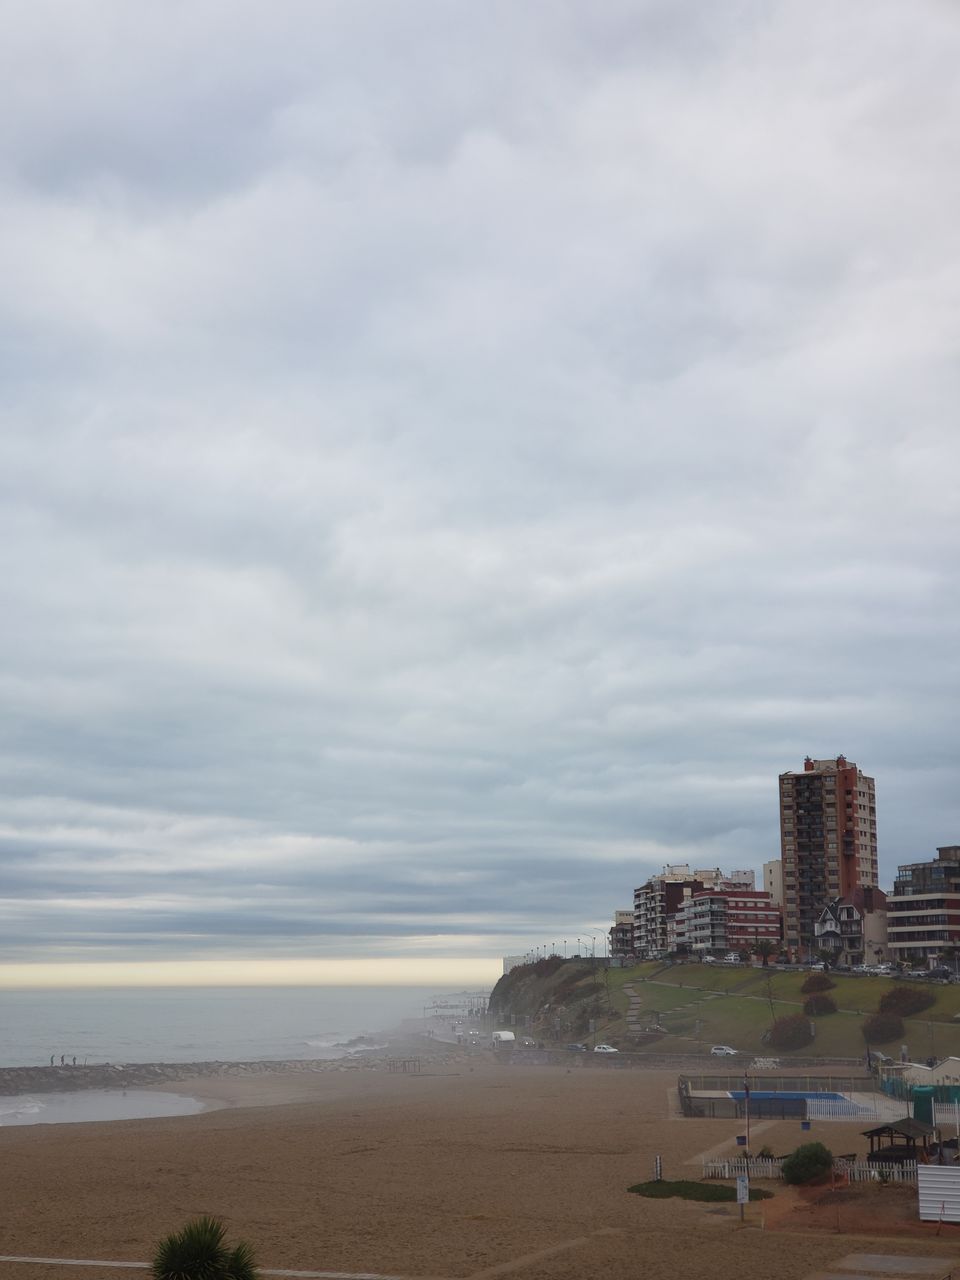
column 198, row 1024
column 93, row 1104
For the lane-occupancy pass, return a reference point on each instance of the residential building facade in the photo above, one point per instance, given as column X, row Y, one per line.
column 729, row 918
column 654, row 903
column 773, row 880
column 828, row 842
column 923, row 912
column 658, row 928
column 854, row 928
column 621, row 934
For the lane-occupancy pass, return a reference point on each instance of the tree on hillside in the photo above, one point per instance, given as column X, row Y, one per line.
column 199, row 1252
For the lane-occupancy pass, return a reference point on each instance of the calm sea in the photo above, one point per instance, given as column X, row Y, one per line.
column 188, row 1024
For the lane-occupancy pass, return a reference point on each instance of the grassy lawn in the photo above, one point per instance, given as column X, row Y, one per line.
column 684, row 995
column 684, row 1190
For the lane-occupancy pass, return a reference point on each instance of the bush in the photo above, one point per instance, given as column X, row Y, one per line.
column 199, row 1252
column 906, row 1001
column 817, row 1006
column 881, row 1028
column 792, row 1032
column 817, row 982
column 807, row 1163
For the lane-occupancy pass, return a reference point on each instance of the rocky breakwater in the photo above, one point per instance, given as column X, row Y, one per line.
column 137, row 1075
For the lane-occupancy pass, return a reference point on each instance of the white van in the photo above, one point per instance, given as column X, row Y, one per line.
column 503, row 1040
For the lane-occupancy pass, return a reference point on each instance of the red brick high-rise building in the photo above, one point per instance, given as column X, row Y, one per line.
column 828, row 843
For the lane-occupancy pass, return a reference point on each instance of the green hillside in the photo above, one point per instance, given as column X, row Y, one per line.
column 704, row 1005
column 701, row 1005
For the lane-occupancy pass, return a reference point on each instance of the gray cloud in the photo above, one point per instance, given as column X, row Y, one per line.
column 452, row 460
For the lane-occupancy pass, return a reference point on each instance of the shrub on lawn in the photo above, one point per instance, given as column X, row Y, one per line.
column 792, row 1032
column 817, row 982
column 818, row 1005
column 808, row 1162
column 881, row 1028
column 906, row 1001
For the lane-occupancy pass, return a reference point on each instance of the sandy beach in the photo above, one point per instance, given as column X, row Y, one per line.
column 468, row 1169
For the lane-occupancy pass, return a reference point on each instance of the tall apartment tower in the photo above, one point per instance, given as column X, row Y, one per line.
column 828, row 842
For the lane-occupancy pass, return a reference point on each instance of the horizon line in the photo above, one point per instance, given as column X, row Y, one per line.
column 340, row 971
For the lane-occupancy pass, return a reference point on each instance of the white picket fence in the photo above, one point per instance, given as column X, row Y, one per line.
column 861, row 1171
column 855, row 1170
column 946, row 1115
column 756, row 1167
column 842, row 1109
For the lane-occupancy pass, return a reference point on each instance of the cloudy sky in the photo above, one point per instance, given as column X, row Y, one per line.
column 453, row 457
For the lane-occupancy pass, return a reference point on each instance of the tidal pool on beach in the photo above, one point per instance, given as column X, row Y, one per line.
column 89, row 1105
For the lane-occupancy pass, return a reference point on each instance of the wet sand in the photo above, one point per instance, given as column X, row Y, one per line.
column 469, row 1169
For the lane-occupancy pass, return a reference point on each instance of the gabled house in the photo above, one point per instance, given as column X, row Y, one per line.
column 854, row 927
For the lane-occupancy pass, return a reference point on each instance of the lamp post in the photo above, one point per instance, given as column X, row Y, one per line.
column 746, row 1107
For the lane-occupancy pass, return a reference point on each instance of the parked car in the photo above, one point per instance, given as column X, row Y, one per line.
column 604, row 1048
column 709, row 959
column 731, row 958
column 723, row 1051
column 576, row 1048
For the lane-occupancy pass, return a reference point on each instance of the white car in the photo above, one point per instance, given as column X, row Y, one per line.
column 723, row 1051
column 604, row 1048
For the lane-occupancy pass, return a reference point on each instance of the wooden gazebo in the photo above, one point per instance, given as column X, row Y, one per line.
column 899, row 1141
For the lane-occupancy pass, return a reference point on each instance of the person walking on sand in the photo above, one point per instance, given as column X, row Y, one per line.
column 51, row 1059
column 63, row 1057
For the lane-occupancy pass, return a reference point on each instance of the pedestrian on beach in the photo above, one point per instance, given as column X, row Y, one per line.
column 51, row 1059
column 74, row 1059
column 63, row 1059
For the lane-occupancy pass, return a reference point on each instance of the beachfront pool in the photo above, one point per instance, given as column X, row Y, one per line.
column 776, row 1095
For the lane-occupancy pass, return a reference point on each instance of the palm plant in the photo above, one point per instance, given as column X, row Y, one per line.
column 198, row 1252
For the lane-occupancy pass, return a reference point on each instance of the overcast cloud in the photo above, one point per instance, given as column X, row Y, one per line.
column 453, row 457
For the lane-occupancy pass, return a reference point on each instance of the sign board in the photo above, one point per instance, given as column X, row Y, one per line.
column 743, row 1189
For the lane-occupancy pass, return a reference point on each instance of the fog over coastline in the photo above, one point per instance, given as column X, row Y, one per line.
column 453, row 458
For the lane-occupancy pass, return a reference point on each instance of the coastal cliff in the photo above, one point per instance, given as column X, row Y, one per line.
column 554, row 998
